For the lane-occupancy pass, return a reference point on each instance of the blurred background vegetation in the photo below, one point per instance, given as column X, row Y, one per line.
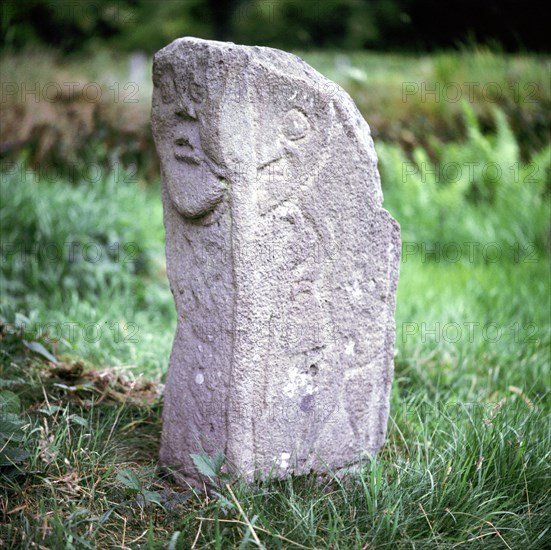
column 422, row 46
column 441, row 84
column 404, row 25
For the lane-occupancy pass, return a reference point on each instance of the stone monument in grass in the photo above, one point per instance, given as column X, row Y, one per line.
column 282, row 262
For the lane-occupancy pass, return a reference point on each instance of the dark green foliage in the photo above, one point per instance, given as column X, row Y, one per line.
column 148, row 25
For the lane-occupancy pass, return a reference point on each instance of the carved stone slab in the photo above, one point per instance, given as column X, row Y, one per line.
column 282, row 262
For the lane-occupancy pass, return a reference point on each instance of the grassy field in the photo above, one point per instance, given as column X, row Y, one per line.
column 87, row 321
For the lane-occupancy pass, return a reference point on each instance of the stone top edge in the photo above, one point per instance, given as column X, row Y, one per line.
column 221, row 45
column 261, row 55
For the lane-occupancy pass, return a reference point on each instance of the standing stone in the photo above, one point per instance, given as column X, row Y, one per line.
column 282, row 262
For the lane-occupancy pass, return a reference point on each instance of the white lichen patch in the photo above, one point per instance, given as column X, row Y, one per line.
column 349, row 348
column 199, row 378
column 355, row 291
column 284, row 462
column 298, row 383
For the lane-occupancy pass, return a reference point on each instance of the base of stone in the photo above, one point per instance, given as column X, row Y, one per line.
column 345, row 474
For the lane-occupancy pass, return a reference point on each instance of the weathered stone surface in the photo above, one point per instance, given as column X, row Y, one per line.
column 282, row 262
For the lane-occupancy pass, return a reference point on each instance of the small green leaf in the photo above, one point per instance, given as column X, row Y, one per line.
column 9, row 403
column 50, row 409
column 204, row 464
column 21, row 321
column 11, row 456
column 128, row 478
column 103, row 518
column 218, row 461
column 78, row 420
column 11, row 428
column 37, row 347
column 225, row 503
column 152, row 496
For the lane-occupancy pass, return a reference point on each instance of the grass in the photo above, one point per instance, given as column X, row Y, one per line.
column 84, row 265
column 466, row 461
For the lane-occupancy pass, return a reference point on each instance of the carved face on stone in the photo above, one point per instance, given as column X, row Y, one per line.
column 285, row 124
column 186, row 147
